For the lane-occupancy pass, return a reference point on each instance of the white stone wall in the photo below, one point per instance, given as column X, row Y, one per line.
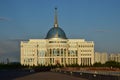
column 70, row 51
column 101, row 57
column 114, row 57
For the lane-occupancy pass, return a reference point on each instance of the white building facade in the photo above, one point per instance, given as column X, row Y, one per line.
column 56, row 48
column 114, row 57
column 101, row 57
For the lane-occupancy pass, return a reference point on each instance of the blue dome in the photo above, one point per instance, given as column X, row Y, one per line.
column 56, row 32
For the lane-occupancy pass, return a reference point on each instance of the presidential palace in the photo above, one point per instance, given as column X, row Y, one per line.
column 56, row 48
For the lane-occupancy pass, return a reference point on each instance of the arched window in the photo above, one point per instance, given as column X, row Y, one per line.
column 58, row 52
column 50, row 52
column 65, row 52
column 61, row 52
column 54, row 52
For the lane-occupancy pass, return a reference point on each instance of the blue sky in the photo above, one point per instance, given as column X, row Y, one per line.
column 93, row 20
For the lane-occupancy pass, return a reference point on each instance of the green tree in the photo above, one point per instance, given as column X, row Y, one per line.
column 112, row 64
column 97, row 64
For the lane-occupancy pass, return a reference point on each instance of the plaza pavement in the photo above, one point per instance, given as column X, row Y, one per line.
column 48, row 76
column 26, row 75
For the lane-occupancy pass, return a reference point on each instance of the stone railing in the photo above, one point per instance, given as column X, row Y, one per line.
column 91, row 75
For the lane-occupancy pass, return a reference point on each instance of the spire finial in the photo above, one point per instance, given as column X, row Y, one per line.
column 55, row 18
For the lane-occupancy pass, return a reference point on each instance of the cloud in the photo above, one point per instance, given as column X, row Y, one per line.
column 8, row 46
column 102, row 31
column 4, row 19
column 18, row 40
column 9, row 49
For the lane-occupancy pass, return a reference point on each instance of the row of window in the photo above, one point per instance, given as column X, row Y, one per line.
column 57, row 52
column 72, row 53
column 57, row 45
column 85, row 54
column 86, row 50
column 86, row 61
column 72, row 60
column 57, row 41
column 32, row 46
column 29, row 60
column 82, row 46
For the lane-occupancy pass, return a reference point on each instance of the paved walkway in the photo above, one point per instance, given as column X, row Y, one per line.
column 48, row 76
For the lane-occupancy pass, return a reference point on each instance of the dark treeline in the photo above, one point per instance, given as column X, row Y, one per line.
column 12, row 66
column 18, row 66
column 112, row 64
column 108, row 64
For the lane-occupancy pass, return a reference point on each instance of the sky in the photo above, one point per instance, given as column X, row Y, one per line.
column 92, row 20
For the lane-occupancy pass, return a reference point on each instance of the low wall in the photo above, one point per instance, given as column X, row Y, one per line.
column 89, row 76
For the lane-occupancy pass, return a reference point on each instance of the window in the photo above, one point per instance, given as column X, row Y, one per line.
column 58, row 52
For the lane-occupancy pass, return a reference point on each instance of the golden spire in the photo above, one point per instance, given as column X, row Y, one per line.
column 55, row 19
